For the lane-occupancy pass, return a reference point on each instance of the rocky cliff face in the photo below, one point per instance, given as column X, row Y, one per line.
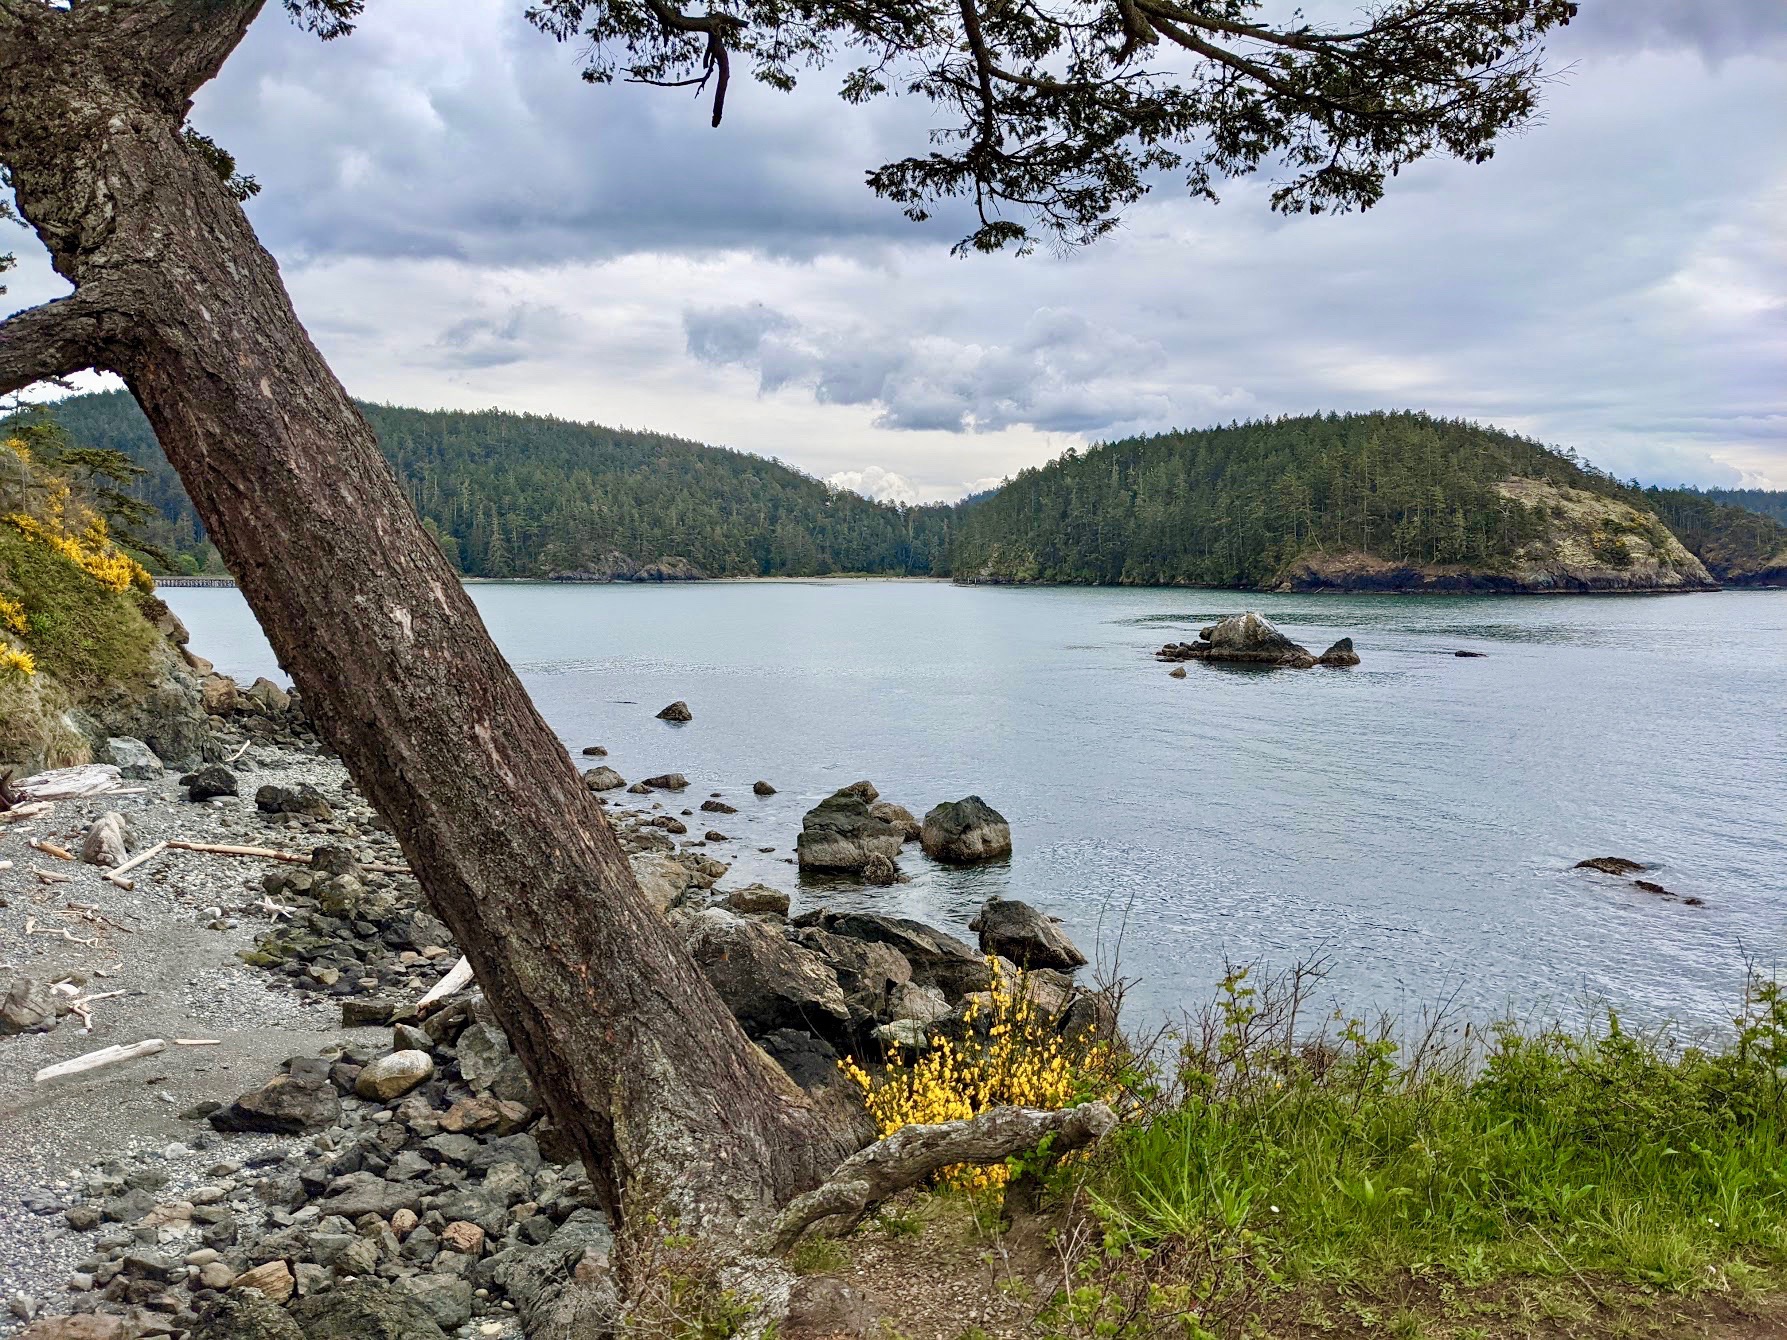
column 617, row 567
column 1591, row 543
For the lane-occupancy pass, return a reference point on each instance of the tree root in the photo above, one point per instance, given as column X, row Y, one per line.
column 914, row 1153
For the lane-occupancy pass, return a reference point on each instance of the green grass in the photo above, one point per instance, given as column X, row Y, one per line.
column 1600, row 1160
column 83, row 635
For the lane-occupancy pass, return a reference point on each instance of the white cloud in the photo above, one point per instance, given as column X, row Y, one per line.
column 876, row 483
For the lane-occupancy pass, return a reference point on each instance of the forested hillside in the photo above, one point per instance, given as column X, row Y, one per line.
column 521, row 495
column 1391, row 501
column 1388, row 500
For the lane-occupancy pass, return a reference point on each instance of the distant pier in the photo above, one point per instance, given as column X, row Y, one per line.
column 195, row 581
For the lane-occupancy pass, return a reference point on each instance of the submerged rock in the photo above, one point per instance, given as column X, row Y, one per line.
column 841, row 834
column 677, row 711
column 965, row 831
column 762, row 789
column 1340, row 654
column 1017, row 931
column 1611, row 865
column 667, row 781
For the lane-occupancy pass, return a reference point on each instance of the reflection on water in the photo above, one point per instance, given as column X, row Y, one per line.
column 1416, row 818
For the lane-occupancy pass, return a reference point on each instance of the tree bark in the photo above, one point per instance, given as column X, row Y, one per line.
column 632, row 1051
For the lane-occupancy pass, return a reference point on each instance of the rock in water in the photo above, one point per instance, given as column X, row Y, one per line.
column 667, row 781
column 135, row 759
column 393, row 1076
column 1340, row 654
column 107, row 842
column 965, row 831
column 840, row 833
column 899, row 816
column 1177, row 672
column 603, row 778
column 594, row 751
column 1612, row 865
column 677, row 711
column 763, row 789
column 1017, row 931
column 211, row 780
column 1246, row 639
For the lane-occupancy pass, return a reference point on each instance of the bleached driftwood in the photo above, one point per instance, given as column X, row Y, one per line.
column 52, row 877
column 103, row 1057
column 51, row 849
column 912, row 1154
column 90, row 779
column 19, row 813
column 116, row 873
column 238, row 754
column 272, row 854
column 457, row 978
column 197, row 1042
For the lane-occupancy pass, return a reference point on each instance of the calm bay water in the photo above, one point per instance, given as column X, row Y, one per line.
column 1414, row 819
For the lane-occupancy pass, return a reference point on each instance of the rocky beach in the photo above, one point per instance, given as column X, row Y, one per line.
column 299, row 1142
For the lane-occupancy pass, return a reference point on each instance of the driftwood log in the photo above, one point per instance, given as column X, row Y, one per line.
column 103, row 1057
column 913, row 1154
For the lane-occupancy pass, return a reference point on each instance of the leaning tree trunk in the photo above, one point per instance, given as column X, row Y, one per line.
column 630, row 1048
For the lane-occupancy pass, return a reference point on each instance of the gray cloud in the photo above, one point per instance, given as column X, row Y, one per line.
column 463, row 222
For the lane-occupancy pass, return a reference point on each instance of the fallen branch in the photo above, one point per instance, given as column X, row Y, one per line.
column 913, row 1154
column 52, row 877
column 198, row 1042
column 19, row 813
column 456, row 979
column 273, row 909
column 103, row 1057
column 147, row 854
column 238, row 754
column 51, row 849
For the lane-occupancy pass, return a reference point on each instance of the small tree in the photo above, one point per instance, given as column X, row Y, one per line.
column 1061, row 115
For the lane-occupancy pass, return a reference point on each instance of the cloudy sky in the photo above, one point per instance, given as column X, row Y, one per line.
column 463, row 223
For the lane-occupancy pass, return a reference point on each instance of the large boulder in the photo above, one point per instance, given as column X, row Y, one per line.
column 135, row 759
column 871, row 974
column 937, row 959
column 366, row 1311
column 662, row 878
column 965, row 831
column 210, row 781
column 286, row 1105
column 303, row 799
column 603, row 778
column 245, row 1315
column 390, row 1077
column 1017, row 931
column 1245, row 639
column 766, row 980
column 841, row 834
column 677, row 711
column 1339, row 655
column 107, row 842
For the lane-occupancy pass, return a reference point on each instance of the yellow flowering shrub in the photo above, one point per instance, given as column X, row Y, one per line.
column 90, row 550
column 12, row 616
column 16, row 662
column 1011, row 1056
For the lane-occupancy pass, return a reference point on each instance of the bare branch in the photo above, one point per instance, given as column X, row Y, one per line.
column 913, row 1154
column 62, row 337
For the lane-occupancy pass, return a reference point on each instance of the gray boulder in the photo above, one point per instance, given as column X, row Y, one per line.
column 483, row 1049
column 1017, row 931
column 303, row 799
column 965, row 831
column 766, row 980
column 365, row 1311
column 107, row 842
column 134, row 759
column 211, row 780
column 1340, row 654
column 603, row 778
column 285, row 1105
column 899, row 817
column 1247, row 639
column 245, row 1315
column 667, row 781
column 936, row 959
column 26, row 1006
column 758, row 900
column 840, row 834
